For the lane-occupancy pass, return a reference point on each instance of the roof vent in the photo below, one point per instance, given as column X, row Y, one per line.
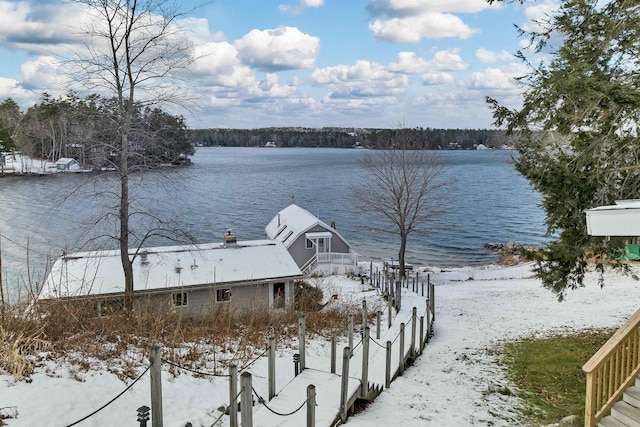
column 229, row 238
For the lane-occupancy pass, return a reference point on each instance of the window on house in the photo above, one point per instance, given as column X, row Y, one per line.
column 309, row 244
column 223, row 295
column 180, row 299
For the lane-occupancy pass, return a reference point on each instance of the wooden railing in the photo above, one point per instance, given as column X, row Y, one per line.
column 611, row 370
column 337, row 258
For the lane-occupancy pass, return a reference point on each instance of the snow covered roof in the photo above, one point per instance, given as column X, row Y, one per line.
column 100, row 272
column 65, row 161
column 291, row 222
column 621, row 219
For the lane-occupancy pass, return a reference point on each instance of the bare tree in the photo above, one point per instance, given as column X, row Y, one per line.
column 403, row 188
column 137, row 55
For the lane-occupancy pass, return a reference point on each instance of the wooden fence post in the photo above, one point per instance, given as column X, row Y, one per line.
column 413, row 333
column 344, row 390
column 311, row 405
column 399, row 295
column 364, row 384
column 421, row 335
column 301, row 346
column 387, row 371
column 378, row 320
column 365, row 313
column 272, row 368
column 432, row 300
column 401, row 366
column 371, row 273
column 389, row 311
column 156, row 386
column 333, row 352
column 233, row 396
column 246, row 400
column 350, row 330
column 428, row 332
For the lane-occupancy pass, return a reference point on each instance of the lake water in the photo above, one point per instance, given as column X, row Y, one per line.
column 243, row 188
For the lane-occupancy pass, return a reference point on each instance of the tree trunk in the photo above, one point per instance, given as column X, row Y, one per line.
column 403, row 247
column 127, row 265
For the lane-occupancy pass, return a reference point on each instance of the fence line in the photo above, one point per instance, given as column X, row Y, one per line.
column 346, row 400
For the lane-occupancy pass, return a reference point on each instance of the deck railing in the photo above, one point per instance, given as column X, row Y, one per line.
column 611, row 370
column 337, row 258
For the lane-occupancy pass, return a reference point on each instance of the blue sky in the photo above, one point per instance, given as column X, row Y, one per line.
column 311, row 63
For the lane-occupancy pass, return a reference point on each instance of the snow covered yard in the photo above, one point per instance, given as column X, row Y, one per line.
column 454, row 383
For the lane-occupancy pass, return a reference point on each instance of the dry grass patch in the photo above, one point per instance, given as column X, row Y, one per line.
column 74, row 332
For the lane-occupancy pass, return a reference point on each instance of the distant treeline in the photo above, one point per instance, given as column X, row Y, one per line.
column 413, row 138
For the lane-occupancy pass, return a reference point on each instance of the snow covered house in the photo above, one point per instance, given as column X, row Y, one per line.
column 194, row 279
column 314, row 245
column 67, row 164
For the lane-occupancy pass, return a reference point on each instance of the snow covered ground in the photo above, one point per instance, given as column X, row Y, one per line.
column 19, row 164
column 452, row 384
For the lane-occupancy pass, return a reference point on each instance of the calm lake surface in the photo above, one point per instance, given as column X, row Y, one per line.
column 243, row 188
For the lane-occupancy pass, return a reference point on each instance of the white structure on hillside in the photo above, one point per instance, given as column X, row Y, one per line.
column 621, row 219
column 314, row 245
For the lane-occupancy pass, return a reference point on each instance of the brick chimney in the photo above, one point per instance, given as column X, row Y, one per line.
column 229, row 238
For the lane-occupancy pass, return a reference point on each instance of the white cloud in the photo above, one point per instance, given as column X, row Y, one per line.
column 490, row 57
column 45, row 73
column 412, row 20
column 300, row 7
column 415, row 28
column 284, row 48
column 492, row 78
column 437, row 78
column 39, row 28
column 399, row 7
column 539, row 14
column 363, row 79
column 269, row 87
column 443, row 60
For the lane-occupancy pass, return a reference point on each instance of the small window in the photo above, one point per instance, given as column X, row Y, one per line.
column 180, row 299
column 309, row 244
column 223, row 295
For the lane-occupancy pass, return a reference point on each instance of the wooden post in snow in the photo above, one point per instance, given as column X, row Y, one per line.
column 389, row 311
column 365, row 313
column 421, row 335
column 387, row 371
column 364, row 385
column 428, row 333
column 401, row 365
column 414, row 319
column 378, row 321
column 432, row 300
column 350, row 330
column 271, row 370
column 311, row 405
column 233, row 396
column 246, row 402
column 344, row 390
column 301, row 346
column 156, row 386
column 333, row 352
